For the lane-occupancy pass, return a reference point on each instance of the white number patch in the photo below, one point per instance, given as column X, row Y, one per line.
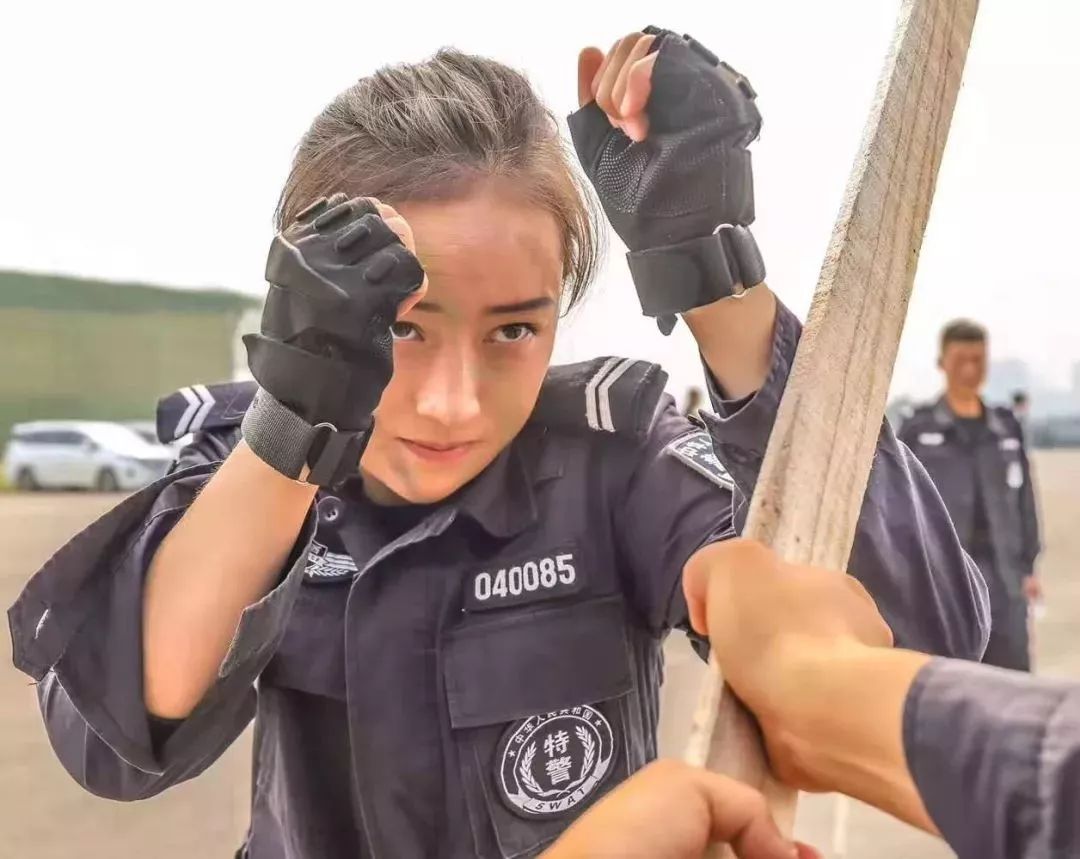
column 541, row 578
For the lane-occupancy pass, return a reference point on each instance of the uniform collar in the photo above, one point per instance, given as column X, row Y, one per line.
column 945, row 416
column 502, row 498
column 943, row 412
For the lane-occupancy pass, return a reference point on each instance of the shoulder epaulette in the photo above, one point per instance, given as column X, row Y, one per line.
column 199, row 408
column 920, row 413
column 615, row 395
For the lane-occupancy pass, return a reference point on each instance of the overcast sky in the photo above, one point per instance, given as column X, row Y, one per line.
column 149, row 142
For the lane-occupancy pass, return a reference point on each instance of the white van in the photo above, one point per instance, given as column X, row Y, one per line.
column 99, row 455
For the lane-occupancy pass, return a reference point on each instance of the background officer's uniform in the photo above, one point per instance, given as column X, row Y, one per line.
column 462, row 679
column 981, row 469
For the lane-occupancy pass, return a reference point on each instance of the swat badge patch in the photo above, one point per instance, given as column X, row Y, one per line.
column 696, row 451
column 554, row 761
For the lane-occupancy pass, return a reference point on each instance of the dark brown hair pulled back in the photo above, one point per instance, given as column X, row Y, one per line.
column 433, row 130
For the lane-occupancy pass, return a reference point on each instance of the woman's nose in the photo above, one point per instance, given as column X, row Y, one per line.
column 450, row 393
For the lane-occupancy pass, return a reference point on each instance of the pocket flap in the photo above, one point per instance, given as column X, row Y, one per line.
column 311, row 655
column 514, row 666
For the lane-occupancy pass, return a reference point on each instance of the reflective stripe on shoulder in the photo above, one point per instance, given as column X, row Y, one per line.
column 200, row 401
column 598, row 393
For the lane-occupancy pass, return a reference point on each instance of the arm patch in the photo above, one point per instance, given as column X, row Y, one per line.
column 695, row 451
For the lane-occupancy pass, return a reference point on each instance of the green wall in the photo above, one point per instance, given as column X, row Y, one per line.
column 73, row 348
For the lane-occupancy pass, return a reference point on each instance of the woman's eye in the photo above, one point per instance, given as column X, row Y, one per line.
column 515, row 333
column 404, row 331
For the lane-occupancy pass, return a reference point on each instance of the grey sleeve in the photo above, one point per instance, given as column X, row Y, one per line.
column 906, row 551
column 76, row 629
column 673, row 505
column 995, row 756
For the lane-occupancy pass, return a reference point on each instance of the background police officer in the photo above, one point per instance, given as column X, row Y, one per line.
column 1021, row 409
column 976, row 456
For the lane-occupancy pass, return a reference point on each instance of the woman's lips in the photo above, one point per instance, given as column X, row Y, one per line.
column 441, row 454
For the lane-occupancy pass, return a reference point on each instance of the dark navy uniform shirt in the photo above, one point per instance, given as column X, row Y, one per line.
column 471, row 686
column 981, row 470
column 996, row 758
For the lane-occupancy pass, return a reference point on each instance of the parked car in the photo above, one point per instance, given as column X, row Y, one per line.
column 148, row 430
column 99, row 455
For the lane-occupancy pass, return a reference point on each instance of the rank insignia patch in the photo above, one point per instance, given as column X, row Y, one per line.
column 552, row 762
column 326, row 565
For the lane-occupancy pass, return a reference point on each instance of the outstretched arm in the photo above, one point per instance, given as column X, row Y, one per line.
column 989, row 758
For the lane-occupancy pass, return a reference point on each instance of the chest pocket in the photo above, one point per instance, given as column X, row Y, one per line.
column 936, row 447
column 543, row 719
column 311, row 656
column 950, row 466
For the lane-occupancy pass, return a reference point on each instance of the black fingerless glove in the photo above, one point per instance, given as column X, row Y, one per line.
column 667, row 196
column 325, row 354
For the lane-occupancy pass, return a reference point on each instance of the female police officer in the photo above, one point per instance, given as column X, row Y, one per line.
column 456, row 647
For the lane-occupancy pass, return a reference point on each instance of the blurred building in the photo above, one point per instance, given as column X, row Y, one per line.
column 73, row 348
column 1004, row 377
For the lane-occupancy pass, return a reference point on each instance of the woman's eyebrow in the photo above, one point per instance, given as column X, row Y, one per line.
column 516, row 307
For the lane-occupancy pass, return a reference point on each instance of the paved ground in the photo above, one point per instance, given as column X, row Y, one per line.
column 43, row 815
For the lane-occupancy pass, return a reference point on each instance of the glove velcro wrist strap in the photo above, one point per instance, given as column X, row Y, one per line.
column 676, row 278
column 287, row 443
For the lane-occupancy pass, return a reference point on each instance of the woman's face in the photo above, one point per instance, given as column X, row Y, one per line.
column 468, row 359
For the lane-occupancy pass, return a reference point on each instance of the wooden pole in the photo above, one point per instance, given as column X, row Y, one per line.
column 808, row 495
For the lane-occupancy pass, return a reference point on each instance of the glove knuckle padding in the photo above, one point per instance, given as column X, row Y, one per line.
column 325, row 348
column 692, row 172
column 376, row 234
